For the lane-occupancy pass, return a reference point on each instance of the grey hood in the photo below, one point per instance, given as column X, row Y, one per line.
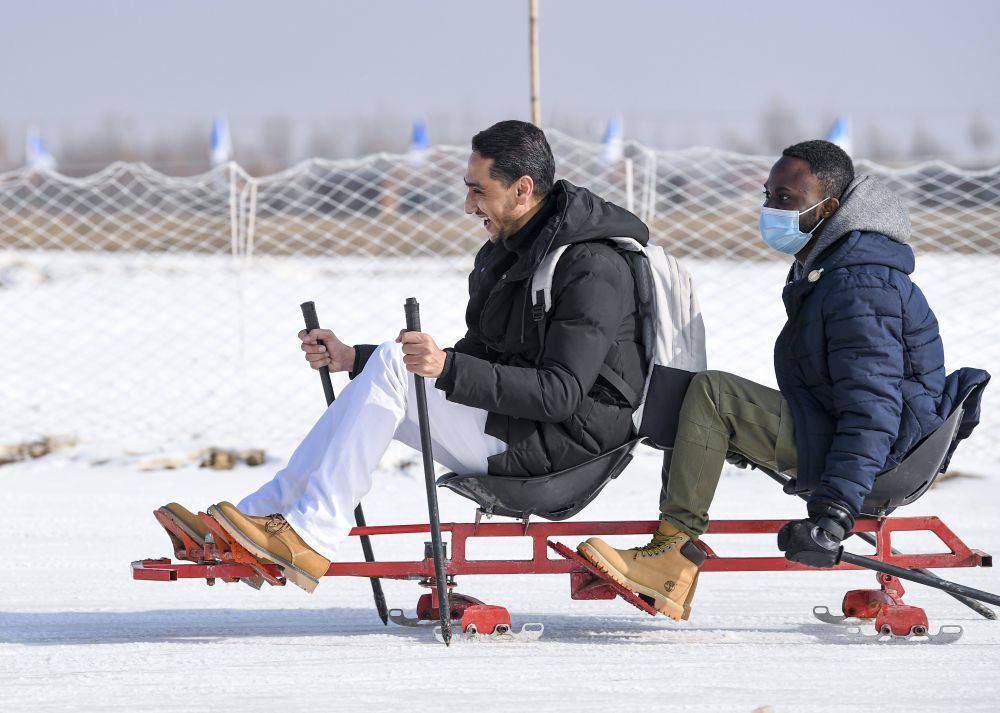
column 868, row 206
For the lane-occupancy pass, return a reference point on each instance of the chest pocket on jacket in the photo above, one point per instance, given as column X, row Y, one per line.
column 502, row 317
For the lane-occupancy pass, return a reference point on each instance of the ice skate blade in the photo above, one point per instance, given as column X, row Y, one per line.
column 528, row 632
column 828, row 617
column 947, row 634
column 396, row 616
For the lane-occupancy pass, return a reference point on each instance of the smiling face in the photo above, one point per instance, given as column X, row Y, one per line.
column 503, row 209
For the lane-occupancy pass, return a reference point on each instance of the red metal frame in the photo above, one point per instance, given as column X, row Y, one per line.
column 958, row 553
column 884, row 605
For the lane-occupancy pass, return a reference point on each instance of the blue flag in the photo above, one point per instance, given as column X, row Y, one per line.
column 840, row 134
column 221, row 151
column 613, row 142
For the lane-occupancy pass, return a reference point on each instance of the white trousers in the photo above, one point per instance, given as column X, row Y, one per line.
column 331, row 470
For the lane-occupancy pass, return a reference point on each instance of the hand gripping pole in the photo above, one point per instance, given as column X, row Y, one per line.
column 981, row 609
column 312, row 322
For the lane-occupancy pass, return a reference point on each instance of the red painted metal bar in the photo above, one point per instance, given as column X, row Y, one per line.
column 163, row 570
column 958, row 554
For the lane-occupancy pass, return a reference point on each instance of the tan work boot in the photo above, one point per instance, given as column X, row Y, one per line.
column 188, row 535
column 185, row 530
column 272, row 539
column 666, row 569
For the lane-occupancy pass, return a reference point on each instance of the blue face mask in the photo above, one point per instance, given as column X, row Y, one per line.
column 780, row 228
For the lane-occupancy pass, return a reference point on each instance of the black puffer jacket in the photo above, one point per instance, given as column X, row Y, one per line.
column 548, row 402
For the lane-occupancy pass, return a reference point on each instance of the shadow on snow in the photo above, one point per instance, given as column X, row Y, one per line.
column 213, row 625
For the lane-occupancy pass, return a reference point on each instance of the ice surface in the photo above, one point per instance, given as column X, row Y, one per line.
column 77, row 633
column 179, row 349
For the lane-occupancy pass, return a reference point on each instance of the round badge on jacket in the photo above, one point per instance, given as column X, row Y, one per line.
column 814, row 275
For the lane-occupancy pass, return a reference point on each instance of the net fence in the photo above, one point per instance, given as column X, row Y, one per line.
column 142, row 309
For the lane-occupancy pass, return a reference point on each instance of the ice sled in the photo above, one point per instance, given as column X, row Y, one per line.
column 556, row 497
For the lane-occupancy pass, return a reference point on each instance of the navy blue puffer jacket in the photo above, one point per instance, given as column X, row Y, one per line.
column 860, row 363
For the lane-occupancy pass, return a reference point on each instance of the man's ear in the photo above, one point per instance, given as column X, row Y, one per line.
column 525, row 190
column 829, row 208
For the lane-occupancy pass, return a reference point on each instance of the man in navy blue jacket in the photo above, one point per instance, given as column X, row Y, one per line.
column 860, row 370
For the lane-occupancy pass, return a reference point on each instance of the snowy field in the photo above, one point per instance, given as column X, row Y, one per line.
column 78, row 634
column 157, row 354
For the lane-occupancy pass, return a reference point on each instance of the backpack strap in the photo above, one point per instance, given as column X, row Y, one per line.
column 541, row 291
column 620, row 385
column 541, row 281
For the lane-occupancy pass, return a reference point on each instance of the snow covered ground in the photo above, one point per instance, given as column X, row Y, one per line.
column 182, row 350
column 159, row 352
column 78, row 634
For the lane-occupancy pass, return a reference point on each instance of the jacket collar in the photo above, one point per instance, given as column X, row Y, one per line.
column 577, row 216
column 522, row 241
column 855, row 248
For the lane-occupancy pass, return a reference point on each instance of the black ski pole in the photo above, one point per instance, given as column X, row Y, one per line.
column 913, row 576
column 412, row 309
column 312, row 322
column 980, row 609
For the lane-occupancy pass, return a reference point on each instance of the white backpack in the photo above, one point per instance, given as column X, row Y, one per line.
column 672, row 325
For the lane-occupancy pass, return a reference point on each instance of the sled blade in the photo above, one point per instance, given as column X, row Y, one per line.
column 828, row 617
column 502, row 634
column 947, row 634
column 396, row 616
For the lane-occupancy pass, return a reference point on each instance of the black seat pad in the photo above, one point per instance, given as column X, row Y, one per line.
column 554, row 496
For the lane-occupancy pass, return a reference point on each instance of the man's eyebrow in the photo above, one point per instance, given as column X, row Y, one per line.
column 471, row 184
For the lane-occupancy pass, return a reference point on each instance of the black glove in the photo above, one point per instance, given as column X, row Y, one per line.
column 815, row 541
column 738, row 459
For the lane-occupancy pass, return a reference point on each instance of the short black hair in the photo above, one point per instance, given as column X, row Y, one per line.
column 827, row 161
column 517, row 149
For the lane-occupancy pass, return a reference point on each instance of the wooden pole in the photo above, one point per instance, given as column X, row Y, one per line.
column 536, row 110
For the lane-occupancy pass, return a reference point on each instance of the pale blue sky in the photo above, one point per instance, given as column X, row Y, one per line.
column 688, row 68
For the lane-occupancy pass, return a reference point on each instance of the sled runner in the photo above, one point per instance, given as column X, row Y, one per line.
column 560, row 495
column 883, row 606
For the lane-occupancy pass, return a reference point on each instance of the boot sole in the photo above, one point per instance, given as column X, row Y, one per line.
column 660, row 603
column 180, row 551
column 690, row 596
column 293, row 574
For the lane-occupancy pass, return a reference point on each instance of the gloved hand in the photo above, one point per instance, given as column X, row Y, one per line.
column 815, row 541
column 738, row 459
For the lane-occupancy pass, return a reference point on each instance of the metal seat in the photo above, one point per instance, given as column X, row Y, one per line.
column 555, row 496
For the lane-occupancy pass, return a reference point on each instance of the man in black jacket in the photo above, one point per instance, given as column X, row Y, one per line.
column 513, row 396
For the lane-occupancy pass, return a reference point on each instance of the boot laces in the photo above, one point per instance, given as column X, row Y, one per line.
column 659, row 545
column 276, row 524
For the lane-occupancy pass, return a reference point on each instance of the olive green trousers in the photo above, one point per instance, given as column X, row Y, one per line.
column 722, row 413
